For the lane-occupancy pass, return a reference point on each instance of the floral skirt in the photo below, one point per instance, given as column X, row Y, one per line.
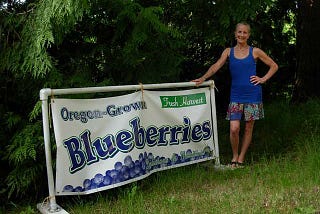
column 245, row 111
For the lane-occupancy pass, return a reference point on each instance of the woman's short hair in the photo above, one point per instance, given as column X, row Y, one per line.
column 245, row 24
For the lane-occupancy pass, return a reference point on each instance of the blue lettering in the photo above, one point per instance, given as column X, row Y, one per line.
column 82, row 151
column 111, row 110
column 110, row 142
column 83, row 117
column 124, row 141
column 101, row 148
column 85, row 137
column 139, row 133
column 64, row 113
column 162, row 136
column 76, row 115
column 174, row 135
column 76, row 155
column 196, row 133
column 186, row 130
column 207, row 132
column 137, row 105
column 152, row 135
column 90, row 115
column 126, row 108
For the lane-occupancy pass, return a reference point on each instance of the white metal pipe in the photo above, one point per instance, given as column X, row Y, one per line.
column 215, row 128
column 48, row 92
column 47, row 145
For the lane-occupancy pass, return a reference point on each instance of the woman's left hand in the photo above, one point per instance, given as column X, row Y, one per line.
column 257, row 80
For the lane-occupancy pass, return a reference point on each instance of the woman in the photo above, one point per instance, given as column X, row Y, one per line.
column 246, row 93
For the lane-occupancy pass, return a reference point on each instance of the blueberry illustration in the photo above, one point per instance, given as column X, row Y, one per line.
column 98, row 179
column 137, row 163
column 114, row 173
column 125, row 173
column 128, row 161
column 163, row 162
column 207, row 151
column 67, row 188
column 147, row 161
column 175, row 158
column 179, row 160
column 143, row 166
column 132, row 173
column 86, row 184
column 188, row 153
column 93, row 185
column 78, row 189
column 141, row 157
column 137, row 169
column 118, row 166
column 116, row 180
column 107, row 180
column 145, row 155
column 150, row 156
column 124, row 169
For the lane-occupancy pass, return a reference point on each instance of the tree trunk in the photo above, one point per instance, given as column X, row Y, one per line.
column 307, row 83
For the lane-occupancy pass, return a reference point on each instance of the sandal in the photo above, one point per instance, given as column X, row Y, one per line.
column 233, row 164
column 240, row 165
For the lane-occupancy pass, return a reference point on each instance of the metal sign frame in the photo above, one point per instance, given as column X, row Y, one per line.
column 50, row 205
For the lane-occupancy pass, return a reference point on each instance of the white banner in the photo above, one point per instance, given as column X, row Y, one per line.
column 108, row 142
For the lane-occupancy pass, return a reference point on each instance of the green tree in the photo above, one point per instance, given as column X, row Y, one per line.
column 121, row 42
column 308, row 68
column 59, row 43
column 26, row 34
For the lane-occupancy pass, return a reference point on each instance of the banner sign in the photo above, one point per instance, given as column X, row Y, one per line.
column 108, row 142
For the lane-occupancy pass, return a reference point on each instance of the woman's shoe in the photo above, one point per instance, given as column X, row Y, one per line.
column 240, row 165
column 233, row 165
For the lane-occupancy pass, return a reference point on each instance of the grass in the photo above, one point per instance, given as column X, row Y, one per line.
column 282, row 175
column 271, row 186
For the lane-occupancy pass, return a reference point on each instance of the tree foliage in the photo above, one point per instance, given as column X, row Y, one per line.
column 71, row 44
column 308, row 68
column 26, row 34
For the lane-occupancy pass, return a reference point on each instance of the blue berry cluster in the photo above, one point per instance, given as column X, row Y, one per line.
column 130, row 169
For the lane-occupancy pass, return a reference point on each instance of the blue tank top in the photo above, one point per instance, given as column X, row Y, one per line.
column 242, row 90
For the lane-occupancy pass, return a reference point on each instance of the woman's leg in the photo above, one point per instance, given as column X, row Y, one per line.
column 234, row 138
column 246, row 140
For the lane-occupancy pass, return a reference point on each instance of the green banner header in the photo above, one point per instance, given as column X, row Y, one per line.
column 183, row 100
